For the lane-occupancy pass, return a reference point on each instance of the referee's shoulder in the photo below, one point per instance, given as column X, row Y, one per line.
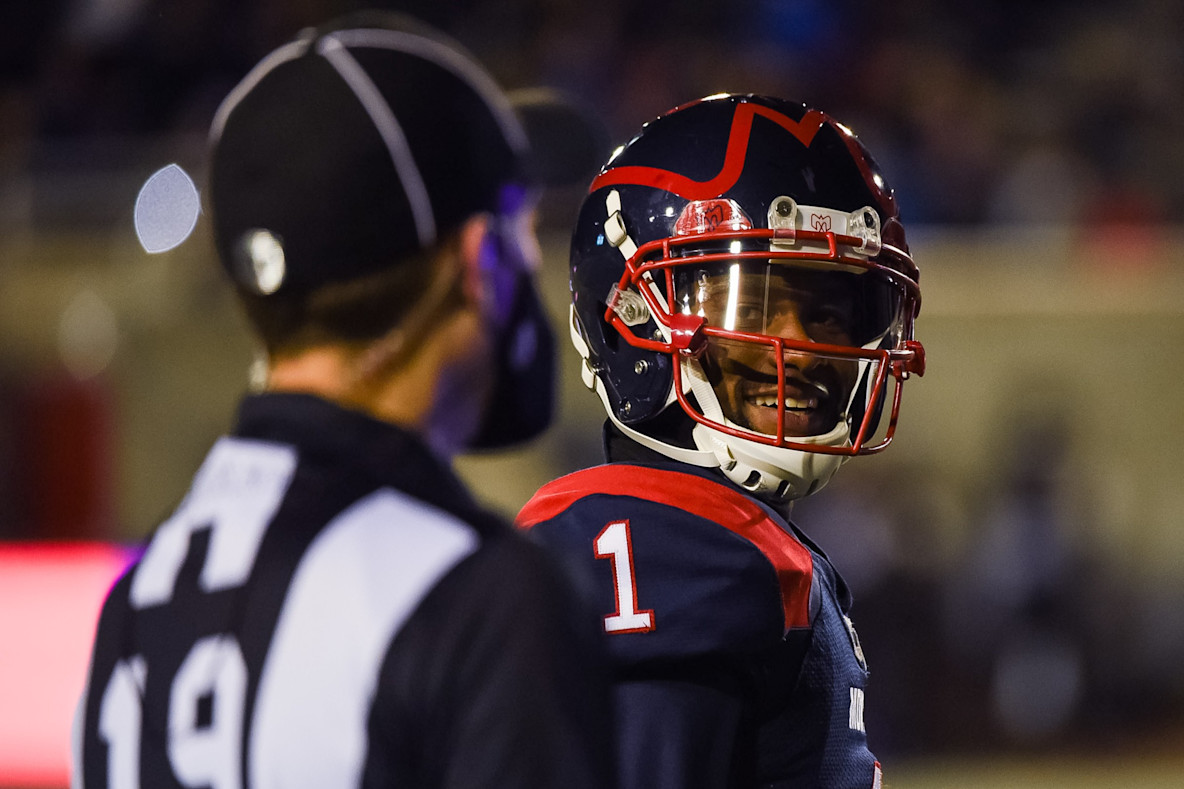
column 518, row 564
column 502, row 543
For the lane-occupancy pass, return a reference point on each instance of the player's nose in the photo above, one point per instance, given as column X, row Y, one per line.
column 788, row 325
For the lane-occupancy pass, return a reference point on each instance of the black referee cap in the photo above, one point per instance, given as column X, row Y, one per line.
column 370, row 138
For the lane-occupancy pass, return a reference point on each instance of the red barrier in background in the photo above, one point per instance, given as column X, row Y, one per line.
column 66, row 450
column 50, row 595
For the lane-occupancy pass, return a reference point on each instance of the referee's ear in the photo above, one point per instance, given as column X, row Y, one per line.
column 474, row 247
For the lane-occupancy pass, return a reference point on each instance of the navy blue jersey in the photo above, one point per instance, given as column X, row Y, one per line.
column 328, row 607
column 735, row 662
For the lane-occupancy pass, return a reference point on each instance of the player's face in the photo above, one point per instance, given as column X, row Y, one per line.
column 793, row 304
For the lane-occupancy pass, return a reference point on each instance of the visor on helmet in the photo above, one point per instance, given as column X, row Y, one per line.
column 792, row 300
column 789, row 351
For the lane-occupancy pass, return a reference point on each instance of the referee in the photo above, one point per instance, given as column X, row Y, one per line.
column 327, row 606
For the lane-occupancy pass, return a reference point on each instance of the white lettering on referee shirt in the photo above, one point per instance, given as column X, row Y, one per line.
column 355, row 586
column 235, row 495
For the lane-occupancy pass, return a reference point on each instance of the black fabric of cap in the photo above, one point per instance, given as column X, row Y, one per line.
column 305, row 150
column 567, row 143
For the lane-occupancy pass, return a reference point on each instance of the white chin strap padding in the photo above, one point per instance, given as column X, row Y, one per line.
column 774, row 471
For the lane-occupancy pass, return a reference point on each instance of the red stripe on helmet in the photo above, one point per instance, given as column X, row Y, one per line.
column 737, row 150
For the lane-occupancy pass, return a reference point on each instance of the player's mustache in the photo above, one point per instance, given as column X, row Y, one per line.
column 821, row 377
column 748, row 373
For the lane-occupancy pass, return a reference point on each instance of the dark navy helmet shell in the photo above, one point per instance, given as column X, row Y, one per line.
column 757, row 184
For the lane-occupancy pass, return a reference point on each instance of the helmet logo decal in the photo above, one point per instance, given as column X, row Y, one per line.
column 820, row 223
column 710, row 216
column 737, row 150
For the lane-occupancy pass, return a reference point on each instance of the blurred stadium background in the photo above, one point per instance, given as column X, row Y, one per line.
column 1016, row 556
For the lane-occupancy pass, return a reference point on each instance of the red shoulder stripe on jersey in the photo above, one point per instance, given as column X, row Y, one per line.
column 737, row 150
column 698, row 496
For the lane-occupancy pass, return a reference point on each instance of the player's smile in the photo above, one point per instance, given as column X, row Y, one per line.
column 810, row 405
column 807, row 407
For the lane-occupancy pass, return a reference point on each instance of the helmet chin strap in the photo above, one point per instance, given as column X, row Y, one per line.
column 794, row 474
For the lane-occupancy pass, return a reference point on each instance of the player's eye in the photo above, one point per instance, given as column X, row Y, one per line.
column 750, row 316
column 827, row 323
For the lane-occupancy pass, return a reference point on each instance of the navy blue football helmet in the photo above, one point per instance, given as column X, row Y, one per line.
column 742, row 293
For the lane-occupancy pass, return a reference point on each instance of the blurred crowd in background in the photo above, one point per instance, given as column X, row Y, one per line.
column 983, row 112
column 987, row 114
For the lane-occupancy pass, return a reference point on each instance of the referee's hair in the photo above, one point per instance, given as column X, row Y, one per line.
column 351, row 312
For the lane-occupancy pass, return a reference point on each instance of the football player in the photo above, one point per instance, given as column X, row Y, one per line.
column 743, row 301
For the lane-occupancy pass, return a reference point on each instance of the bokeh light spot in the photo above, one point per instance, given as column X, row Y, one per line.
column 166, row 209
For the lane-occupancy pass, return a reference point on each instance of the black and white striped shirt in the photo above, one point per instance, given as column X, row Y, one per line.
column 327, row 607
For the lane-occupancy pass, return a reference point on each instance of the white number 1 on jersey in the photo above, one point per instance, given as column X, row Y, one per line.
column 614, row 542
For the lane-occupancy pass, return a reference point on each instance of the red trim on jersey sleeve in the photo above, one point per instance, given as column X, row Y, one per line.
column 698, row 496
